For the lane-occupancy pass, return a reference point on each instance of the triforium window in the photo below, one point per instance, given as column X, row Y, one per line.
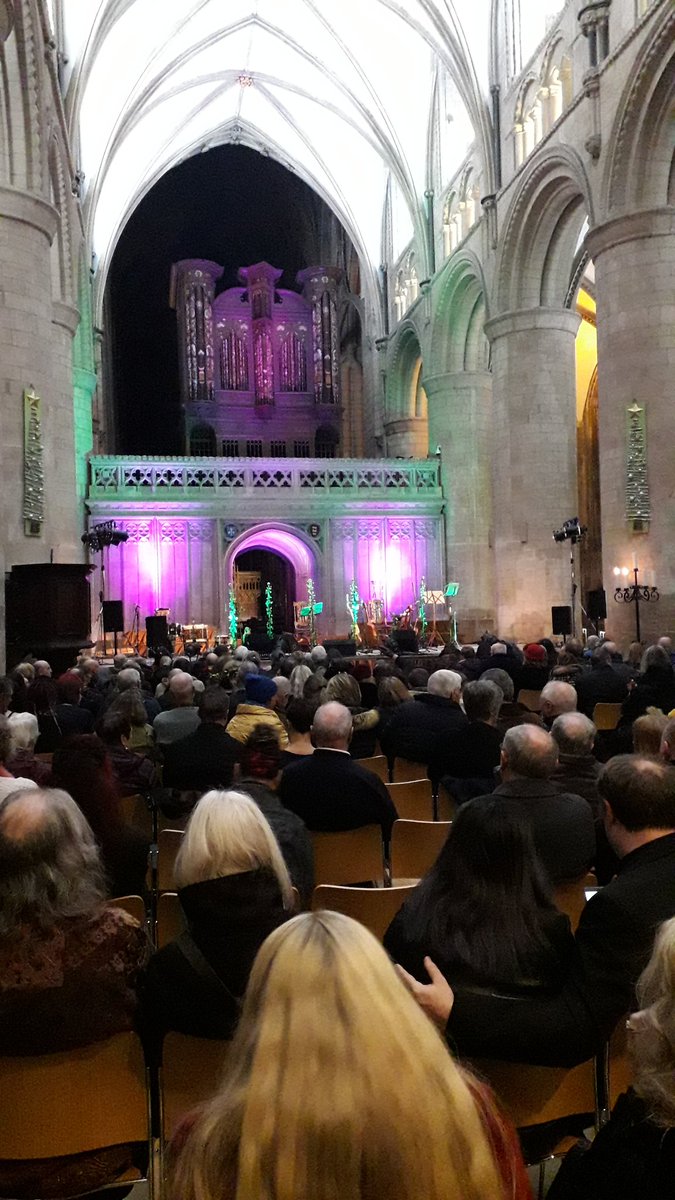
column 254, row 448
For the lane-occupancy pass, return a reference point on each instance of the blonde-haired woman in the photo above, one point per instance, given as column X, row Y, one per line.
column 234, row 889
column 633, row 1157
column 338, row 1086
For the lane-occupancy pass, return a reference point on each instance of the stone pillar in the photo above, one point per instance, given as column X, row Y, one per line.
column 64, row 499
column 533, row 463
column 460, row 423
column 634, row 259
column 319, row 287
column 407, row 437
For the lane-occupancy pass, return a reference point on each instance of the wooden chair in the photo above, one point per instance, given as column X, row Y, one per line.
column 191, row 1071
column 378, row 765
column 135, row 811
column 168, row 845
column 406, row 771
column 352, row 856
column 415, row 846
column 76, row 1101
column 531, row 698
column 570, row 898
column 373, row 907
column 170, row 918
column 133, row 905
column 606, row 716
column 413, row 800
column 619, row 1065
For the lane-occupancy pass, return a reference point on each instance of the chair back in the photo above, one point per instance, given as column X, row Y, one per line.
column 606, row 716
column 351, row 856
column 170, row 918
column 415, row 846
column 405, row 770
column 373, row 907
column 133, row 905
column 531, row 698
column 191, row 1071
column 536, row 1095
column 168, row 845
column 378, row 765
column 620, row 1067
column 570, row 898
column 413, row 800
column 135, row 811
column 74, row 1101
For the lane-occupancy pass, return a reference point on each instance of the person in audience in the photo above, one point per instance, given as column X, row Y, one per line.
column 182, row 717
column 234, row 889
column 42, row 668
column 24, row 730
column 328, row 789
column 238, row 694
column 344, row 689
column 129, row 705
column 419, row 728
column 654, row 687
column 6, row 694
column 83, row 769
column 533, row 675
column 69, row 965
column 633, row 1157
column 613, row 941
column 367, row 685
column 70, row 717
column 259, row 775
column 511, row 712
column 131, row 678
column 354, row 1130
column 391, row 692
column 418, row 680
column 314, row 691
column 577, row 770
column 467, row 761
column 283, row 686
column 133, row 772
column 667, row 747
column 603, row 684
column 666, row 643
column 484, row 912
column 561, row 822
column 506, row 657
column 204, row 759
column 647, row 732
column 8, row 781
column 299, row 676
column 557, row 698
column 260, row 708
column 299, row 717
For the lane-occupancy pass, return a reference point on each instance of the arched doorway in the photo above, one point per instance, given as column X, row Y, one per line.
column 277, row 554
column 253, row 570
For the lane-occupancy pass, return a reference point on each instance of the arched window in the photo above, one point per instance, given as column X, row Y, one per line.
column 557, row 90
column 412, row 281
column 529, row 127
column 326, row 442
column 400, row 294
column 451, row 225
column 202, row 441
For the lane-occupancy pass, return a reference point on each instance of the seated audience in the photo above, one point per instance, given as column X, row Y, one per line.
column 204, row 759
column 131, row 679
column 24, row 730
column 129, row 705
column 344, row 689
column 299, row 676
column 238, row 694
column 654, row 687
column 561, row 822
column 259, row 776
column 299, row 716
column 283, row 686
column 613, row 941
column 314, row 691
column 8, row 782
column 391, row 692
column 577, row 770
column 511, row 712
column 603, row 684
column 467, row 760
column 419, row 728
column 667, row 747
column 328, row 789
column 43, row 669
column 277, row 1127
column 647, row 732
column 71, row 718
column 484, row 912
column 68, row 964
column 367, row 685
column 260, row 708
column 233, row 889
column 633, row 1157
column 83, row 769
column 557, row 698
column 182, row 717
column 533, row 675
column 133, row 772
column 418, row 680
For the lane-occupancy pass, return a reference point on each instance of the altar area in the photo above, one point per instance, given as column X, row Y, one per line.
column 375, row 522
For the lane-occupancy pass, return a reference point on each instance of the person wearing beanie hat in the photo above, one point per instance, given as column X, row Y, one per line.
column 262, row 700
column 533, row 674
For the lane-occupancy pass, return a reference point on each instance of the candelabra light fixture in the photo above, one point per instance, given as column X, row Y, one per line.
column 633, row 593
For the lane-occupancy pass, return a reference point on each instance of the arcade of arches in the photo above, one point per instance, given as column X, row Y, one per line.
column 480, row 343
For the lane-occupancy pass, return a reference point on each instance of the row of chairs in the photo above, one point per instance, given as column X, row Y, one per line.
column 605, row 716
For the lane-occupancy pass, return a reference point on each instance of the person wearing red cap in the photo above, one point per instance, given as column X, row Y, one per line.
column 534, row 672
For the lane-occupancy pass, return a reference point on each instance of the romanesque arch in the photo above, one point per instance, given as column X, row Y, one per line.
column 405, row 417
column 458, row 341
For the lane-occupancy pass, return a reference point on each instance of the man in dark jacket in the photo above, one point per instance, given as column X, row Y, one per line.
column 577, row 770
column 328, row 789
column 469, row 758
column 603, row 684
column 204, row 759
column 419, row 728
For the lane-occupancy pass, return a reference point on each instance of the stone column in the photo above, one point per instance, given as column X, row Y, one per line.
column 634, row 259
column 64, row 499
column 460, row 423
column 533, row 463
column 407, row 437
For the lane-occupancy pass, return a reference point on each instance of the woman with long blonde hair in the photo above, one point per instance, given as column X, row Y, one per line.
column 339, row 1088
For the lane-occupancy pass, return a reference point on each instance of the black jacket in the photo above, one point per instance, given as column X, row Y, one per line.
column 419, row 728
column 562, row 825
column 202, row 760
column 602, row 685
column 331, row 792
column 613, row 945
column 228, row 919
column 291, row 833
column 472, row 753
column 656, row 688
column 578, row 773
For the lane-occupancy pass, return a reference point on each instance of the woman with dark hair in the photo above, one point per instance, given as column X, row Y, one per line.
column 299, row 715
column 654, row 687
column 483, row 913
column 83, row 769
column 391, row 692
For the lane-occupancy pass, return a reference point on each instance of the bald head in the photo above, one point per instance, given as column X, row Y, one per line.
column 24, row 814
column 557, row 698
column 42, row 669
column 332, row 726
column 573, row 733
column 528, row 752
column 181, row 689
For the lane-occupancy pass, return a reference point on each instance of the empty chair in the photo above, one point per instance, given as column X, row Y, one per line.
column 168, row 845
column 135, row 811
column 606, row 716
column 413, row 800
column 378, row 765
column 415, row 846
column 351, row 856
column 134, row 905
column 405, row 770
column 373, row 907
column 530, row 698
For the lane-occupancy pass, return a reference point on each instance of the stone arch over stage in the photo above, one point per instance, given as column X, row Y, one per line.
column 285, row 540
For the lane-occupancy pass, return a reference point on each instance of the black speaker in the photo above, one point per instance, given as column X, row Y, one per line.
column 113, row 616
column 406, row 641
column 157, row 630
column 346, row 648
column 561, row 619
column 596, row 604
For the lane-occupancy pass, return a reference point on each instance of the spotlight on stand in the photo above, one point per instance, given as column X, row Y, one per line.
column 106, row 534
column 570, row 531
